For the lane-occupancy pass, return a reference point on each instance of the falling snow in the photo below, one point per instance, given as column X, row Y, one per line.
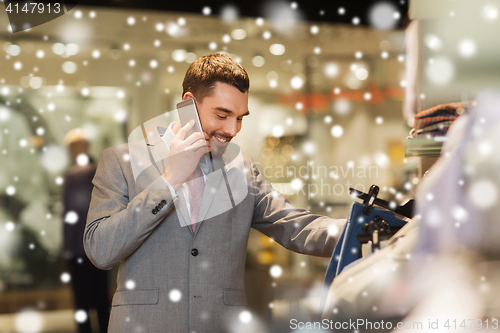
column 175, row 295
column 81, row 316
column 28, row 321
column 276, row 271
column 65, row 277
column 337, row 131
column 130, row 284
column 71, row 217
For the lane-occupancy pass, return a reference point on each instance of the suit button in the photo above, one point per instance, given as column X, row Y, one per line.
column 154, row 211
column 194, row 252
column 163, row 202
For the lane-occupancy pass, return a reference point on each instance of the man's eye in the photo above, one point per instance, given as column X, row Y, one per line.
column 222, row 117
column 240, row 119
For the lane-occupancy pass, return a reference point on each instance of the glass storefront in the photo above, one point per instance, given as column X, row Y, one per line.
column 326, row 115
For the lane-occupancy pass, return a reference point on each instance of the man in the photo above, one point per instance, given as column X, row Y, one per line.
column 89, row 284
column 190, row 279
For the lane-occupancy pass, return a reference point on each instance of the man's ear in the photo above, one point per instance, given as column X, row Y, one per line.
column 187, row 95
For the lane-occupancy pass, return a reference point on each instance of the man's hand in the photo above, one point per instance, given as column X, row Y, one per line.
column 185, row 154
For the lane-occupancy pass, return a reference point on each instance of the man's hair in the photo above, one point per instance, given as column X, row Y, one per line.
column 202, row 75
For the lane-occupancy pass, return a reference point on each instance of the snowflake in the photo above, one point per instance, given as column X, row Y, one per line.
column 65, row 277
column 10, row 190
column 10, row 226
column 130, row 284
column 212, row 46
column 81, row 316
column 276, row 271
column 333, row 230
column 337, row 131
column 245, row 317
column 153, row 63
column 206, row 11
column 175, row 295
column 71, row 217
column 459, row 213
column 82, row 159
column 28, row 321
column 483, row 194
column 383, row 15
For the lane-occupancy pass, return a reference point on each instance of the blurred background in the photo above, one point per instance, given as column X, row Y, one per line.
column 327, row 99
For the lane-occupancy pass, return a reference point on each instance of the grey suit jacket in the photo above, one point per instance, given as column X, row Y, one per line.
column 171, row 279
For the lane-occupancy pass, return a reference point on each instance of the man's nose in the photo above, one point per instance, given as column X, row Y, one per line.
column 231, row 128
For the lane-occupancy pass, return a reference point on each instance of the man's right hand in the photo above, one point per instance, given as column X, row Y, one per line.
column 184, row 155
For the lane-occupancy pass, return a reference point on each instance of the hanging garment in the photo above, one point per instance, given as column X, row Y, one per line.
column 437, row 120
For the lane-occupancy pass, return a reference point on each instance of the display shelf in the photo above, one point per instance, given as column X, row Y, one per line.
column 424, row 147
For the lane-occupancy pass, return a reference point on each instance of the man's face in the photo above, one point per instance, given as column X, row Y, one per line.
column 221, row 115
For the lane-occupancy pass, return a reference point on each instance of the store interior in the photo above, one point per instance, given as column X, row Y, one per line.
column 331, row 105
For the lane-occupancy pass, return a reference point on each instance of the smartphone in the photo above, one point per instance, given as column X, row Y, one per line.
column 187, row 110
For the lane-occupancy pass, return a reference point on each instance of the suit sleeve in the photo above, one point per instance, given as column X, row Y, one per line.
column 117, row 226
column 294, row 228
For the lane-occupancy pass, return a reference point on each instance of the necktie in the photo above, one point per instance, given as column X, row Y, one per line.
column 196, row 185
